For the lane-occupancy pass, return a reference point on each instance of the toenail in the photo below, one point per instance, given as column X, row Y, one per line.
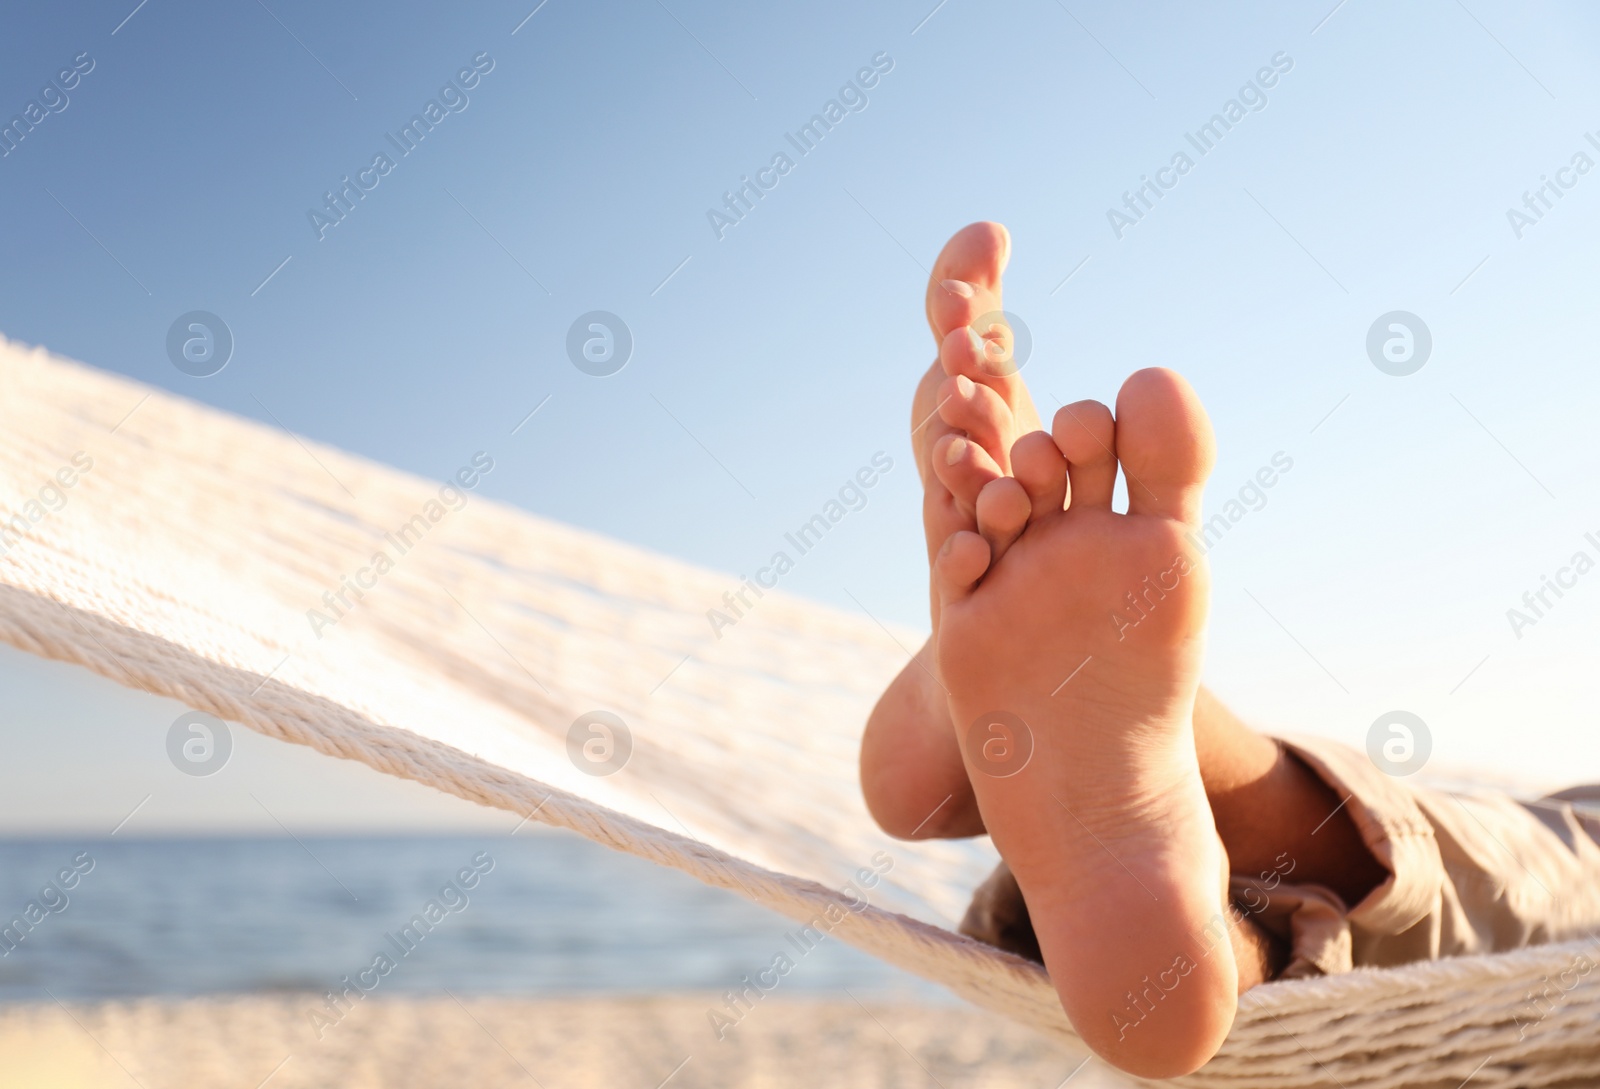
column 963, row 386
column 975, row 340
column 955, row 451
column 958, row 287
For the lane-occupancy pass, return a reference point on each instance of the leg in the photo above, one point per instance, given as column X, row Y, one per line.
column 1267, row 803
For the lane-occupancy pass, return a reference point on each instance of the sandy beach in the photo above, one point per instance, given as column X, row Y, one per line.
column 451, row 1041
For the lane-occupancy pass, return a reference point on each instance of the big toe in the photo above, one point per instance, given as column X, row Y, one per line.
column 965, row 283
column 1164, row 443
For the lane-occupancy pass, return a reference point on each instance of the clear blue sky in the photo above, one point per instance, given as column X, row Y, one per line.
column 772, row 362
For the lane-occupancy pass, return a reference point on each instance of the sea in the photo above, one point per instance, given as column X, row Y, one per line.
column 546, row 913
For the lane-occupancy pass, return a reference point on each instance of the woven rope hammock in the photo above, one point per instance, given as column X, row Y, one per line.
column 191, row 547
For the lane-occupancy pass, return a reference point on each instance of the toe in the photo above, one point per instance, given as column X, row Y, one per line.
column 1038, row 465
column 964, row 405
column 1002, row 512
column 982, row 352
column 999, row 345
column 1165, row 444
column 966, row 276
column 964, row 292
column 963, row 467
column 959, row 565
column 1086, row 436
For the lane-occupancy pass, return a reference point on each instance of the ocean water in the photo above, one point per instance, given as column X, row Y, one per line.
column 554, row 915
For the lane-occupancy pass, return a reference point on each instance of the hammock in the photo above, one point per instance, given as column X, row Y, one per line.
column 193, row 553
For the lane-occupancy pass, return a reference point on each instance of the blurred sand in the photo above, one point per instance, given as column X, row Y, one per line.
column 442, row 1043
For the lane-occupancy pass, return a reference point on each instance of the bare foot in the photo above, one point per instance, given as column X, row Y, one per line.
column 1072, row 672
column 969, row 408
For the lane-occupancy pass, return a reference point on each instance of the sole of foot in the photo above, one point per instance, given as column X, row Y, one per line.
column 1072, row 669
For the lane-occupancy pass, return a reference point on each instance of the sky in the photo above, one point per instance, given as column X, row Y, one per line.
column 1387, row 162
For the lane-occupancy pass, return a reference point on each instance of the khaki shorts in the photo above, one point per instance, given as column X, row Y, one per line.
column 1468, row 873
